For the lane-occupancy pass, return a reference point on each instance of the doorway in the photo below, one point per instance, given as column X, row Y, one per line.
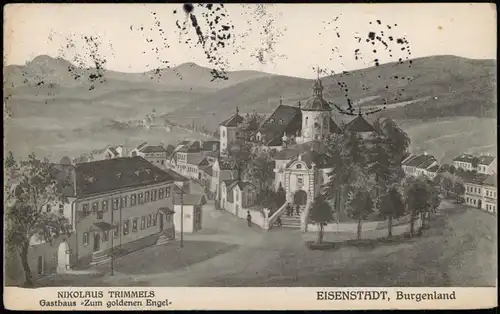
column 97, row 241
column 63, row 257
column 300, row 198
column 479, row 203
column 40, row 265
column 161, row 222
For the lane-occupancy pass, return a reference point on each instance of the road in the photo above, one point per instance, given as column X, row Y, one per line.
column 458, row 250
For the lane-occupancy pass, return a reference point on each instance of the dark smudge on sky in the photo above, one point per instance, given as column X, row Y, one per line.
column 378, row 45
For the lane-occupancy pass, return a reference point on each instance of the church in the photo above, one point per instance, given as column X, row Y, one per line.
column 297, row 134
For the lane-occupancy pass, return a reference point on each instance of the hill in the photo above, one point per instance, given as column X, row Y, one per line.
column 57, row 73
column 440, row 86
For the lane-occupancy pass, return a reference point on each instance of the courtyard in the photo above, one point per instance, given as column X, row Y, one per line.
column 459, row 249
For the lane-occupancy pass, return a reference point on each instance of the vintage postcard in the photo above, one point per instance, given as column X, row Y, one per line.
column 250, row 156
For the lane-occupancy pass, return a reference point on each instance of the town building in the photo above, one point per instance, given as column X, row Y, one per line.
column 188, row 155
column 297, row 133
column 237, row 197
column 112, row 205
column 192, row 213
column 420, row 165
column 485, row 164
column 229, row 131
column 155, row 154
column 115, row 152
column 481, row 192
column 220, row 171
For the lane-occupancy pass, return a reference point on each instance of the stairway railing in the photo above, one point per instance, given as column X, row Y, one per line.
column 304, row 217
column 276, row 214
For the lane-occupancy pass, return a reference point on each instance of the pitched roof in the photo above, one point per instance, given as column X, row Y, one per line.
column 285, row 119
column 203, row 162
column 433, row 168
column 142, row 145
column 317, row 102
column 293, row 151
column 189, row 147
column 359, row 124
column 241, row 185
column 464, row 158
column 486, row 159
column 228, row 183
column 311, row 156
column 491, row 180
column 334, row 128
column 113, row 151
column 152, row 149
column 208, row 170
column 475, row 178
column 112, row 174
column 419, row 161
column 191, row 199
column 233, row 120
column 194, row 158
column 170, row 149
column 210, row 145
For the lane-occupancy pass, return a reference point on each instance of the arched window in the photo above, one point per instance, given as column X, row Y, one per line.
column 325, row 121
column 223, row 133
column 299, row 166
column 272, row 120
column 307, row 121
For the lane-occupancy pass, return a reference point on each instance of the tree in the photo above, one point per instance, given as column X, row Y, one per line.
column 452, row 169
column 260, row 170
column 269, row 200
column 446, row 185
column 238, row 156
column 435, row 200
column 360, row 205
column 9, row 161
column 417, row 200
column 392, row 206
column 458, row 189
column 320, row 214
column 31, row 187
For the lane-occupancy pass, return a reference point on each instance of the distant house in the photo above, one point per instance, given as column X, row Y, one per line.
column 221, row 171
column 237, row 197
column 155, row 154
column 114, row 152
column 192, row 218
column 361, row 126
column 229, row 132
column 420, row 165
column 481, row 191
column 486, row 164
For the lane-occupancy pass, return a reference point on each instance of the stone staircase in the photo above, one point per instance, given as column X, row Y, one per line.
column 163, row 238
column 291, row 221
column 100, row 257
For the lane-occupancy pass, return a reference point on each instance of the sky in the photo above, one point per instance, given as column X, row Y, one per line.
column 298, row 37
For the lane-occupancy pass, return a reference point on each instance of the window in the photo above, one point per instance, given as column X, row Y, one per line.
column 281, row 121
column 99, row 214
column 48, row 208
column 143, row 223
column 146, row 197
column 134, row 225
column 299, row 166
column 95, row 207
column 154, row 219
column 161, row 193
column 116, row 231
column 105, row 236
column 85, row 238
column 168, row 218
column 125, row 227
column 167, row 191
column 237, row 195
column 223, row 133
column 115, row 203
column 133, row 200
column 61, row 209
column 272, row 120
column 141, row 198
column 124, row 201
column 153, row 195
column 300, row 180
column 104, row 206
column 149, row 220
column 162, row 162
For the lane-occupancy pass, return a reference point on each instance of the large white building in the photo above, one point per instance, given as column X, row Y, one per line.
column 485, row 164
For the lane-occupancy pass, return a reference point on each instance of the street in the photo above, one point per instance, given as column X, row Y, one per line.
column 459, row 249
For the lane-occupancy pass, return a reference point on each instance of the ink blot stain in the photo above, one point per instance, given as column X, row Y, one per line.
column 188, row 8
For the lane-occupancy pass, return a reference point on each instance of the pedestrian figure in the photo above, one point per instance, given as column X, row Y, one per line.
column 278, row 221
column 249, row 219
column 288, row 210
column 297, row 209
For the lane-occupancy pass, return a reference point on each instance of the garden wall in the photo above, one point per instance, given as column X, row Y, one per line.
column 352, row 227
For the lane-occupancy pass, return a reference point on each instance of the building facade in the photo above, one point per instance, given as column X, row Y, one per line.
column 481, row 192
column 155, row 154
column 484, row 164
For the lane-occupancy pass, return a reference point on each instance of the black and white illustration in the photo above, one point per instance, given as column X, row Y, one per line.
column 250, row 145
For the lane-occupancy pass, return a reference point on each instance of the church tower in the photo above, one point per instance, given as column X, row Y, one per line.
column 315, row 115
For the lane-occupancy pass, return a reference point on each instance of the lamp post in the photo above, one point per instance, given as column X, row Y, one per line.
column 180, row 184
column 112, row 235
